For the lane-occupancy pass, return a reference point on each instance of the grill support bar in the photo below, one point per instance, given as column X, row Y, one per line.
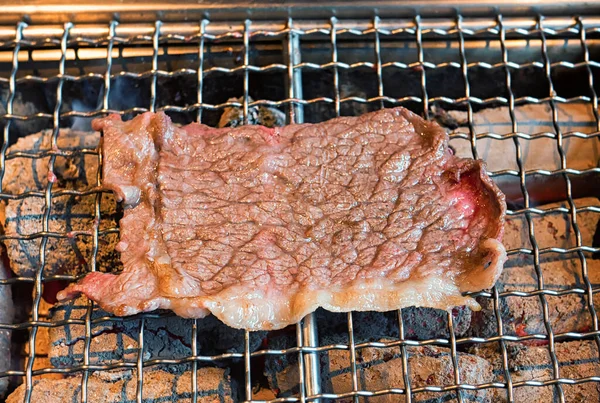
column 92, row 11
column 312, row 373
column 309, row 368
column 40, row 34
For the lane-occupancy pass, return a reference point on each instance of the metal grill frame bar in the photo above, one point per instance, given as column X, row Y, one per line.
column 291, row 34
column 87, row 11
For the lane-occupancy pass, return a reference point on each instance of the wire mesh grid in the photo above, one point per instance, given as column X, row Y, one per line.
column 296, row 41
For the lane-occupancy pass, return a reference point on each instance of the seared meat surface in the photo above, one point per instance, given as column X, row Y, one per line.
column 262, row 226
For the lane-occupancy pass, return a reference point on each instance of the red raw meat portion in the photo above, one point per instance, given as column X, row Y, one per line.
column 262, row 226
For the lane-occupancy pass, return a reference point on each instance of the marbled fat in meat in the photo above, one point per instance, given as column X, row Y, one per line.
column 262, row 226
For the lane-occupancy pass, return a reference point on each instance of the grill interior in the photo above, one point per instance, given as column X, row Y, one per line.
column 449, row 69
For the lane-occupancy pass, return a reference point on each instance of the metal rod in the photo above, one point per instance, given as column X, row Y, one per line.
column 139, row 389
column 559, row 142
column 294, row 75
column 12, row 89
column 247, row 366
column 464, row 70
column 352, row 346
column 232, row 9
column 310, row 368
column 302, row 372
column 380, row 91
column 405, row 364
column 155, row 52
column 497, row 312
column 517, row 26
column 421, row 58
column 195, row 362
column 246, row 90
column 199, row 86
column 454, row 353
column 200, row 72
column 39, row 275
column 334, row 60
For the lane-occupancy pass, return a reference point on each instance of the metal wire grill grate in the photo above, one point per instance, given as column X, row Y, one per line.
column 290, row 53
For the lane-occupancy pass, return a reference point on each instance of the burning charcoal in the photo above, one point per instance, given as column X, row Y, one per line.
column 109, row 342
column 538, row 154
column 69, row 213
column 214, row 384
column 552, row 230
column 523, row 315
column 257, row 115
column 41, row 360
column 176, row 91
column 577, row 359
column 21, row 349
column 263, row 394
column 69, row 255
column 6, row 317
column 214, row 337
column 381, row 368
column 74, row 172
column 167, row 337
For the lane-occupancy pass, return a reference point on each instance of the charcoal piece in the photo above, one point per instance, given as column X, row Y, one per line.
column 6, row 317
column 214, row 337
column 257, row 115
column 381, row 368
column 68, row 255
column 576, row 359
column 167, row 337
column 368, row 326
column 451, row 121
column 68, row 214
column 419, row 324
column 76, row 171
column 523, row 315
column 552, row 229
column 426, row 323
column 568, row 312
column 214, row 385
